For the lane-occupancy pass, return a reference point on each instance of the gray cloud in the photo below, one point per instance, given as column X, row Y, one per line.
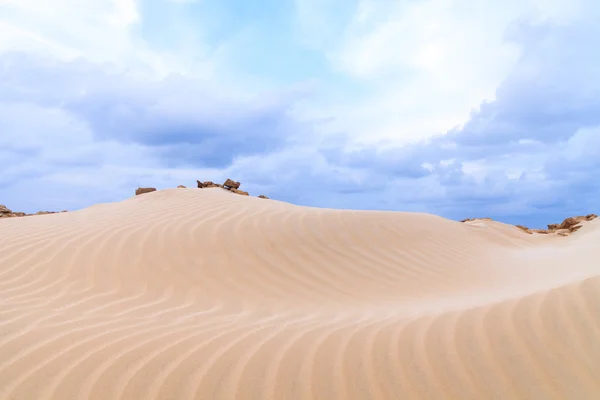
column 529, row 156
column 171, row 115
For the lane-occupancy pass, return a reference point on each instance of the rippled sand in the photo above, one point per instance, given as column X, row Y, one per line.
column 203, row 294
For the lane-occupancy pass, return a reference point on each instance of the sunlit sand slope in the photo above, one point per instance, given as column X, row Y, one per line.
column 204, row 294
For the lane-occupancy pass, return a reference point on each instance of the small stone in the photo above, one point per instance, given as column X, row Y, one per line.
column 229, row 183
column 476, row 219
column 141, row 190
column 181, row 187
column 207, row 184
column 262, row 196
column 237, row 191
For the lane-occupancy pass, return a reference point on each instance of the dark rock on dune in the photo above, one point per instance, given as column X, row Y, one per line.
column 207, row 184
column 237, row 191
column 141, row 190
column 475, row 219
column 231, row 184
column 5, row 212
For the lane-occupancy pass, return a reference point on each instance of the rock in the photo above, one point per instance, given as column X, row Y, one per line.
column 6, row 213
column 12, row 215
column 237, row 191
column 572, row 223
column 476, row 219
column 568, row 223
column 262, row 196
column 541, row 231
column 207, row 184
column 141, row 190
column 181, row 187
column 231, row 184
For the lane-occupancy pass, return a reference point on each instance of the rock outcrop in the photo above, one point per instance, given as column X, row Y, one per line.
column 141, row 190
column 208, row 184
column 5, row 212
column 572, row 222
column 475, row 219
column 231, row 184
column 565, row 228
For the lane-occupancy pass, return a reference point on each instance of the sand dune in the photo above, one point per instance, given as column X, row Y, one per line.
column 203, row 294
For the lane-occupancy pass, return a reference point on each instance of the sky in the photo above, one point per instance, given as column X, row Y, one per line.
column 460, row 108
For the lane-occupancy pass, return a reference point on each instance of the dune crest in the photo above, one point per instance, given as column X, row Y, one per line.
column 204, row 294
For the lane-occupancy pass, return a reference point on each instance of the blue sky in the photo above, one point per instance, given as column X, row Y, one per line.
column 460, row 108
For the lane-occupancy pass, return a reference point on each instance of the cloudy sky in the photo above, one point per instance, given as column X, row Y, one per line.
column 460, row 108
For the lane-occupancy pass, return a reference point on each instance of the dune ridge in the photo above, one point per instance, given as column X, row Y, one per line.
column 196, row 294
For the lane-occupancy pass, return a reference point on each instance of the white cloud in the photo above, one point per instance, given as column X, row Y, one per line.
column 402, row 71
column 100, row 31
column 125, row 12
column 424, row 65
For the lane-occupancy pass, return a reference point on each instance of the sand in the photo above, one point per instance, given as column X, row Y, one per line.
column 204, row 294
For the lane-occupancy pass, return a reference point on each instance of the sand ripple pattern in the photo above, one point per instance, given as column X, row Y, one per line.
column 202, row 294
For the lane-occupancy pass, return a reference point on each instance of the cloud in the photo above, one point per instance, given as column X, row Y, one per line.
column 179, row 117
column 423, row 65
column 433, row 106
column 526, row 156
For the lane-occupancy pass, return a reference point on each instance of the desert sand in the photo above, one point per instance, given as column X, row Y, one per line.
column 204, row 294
